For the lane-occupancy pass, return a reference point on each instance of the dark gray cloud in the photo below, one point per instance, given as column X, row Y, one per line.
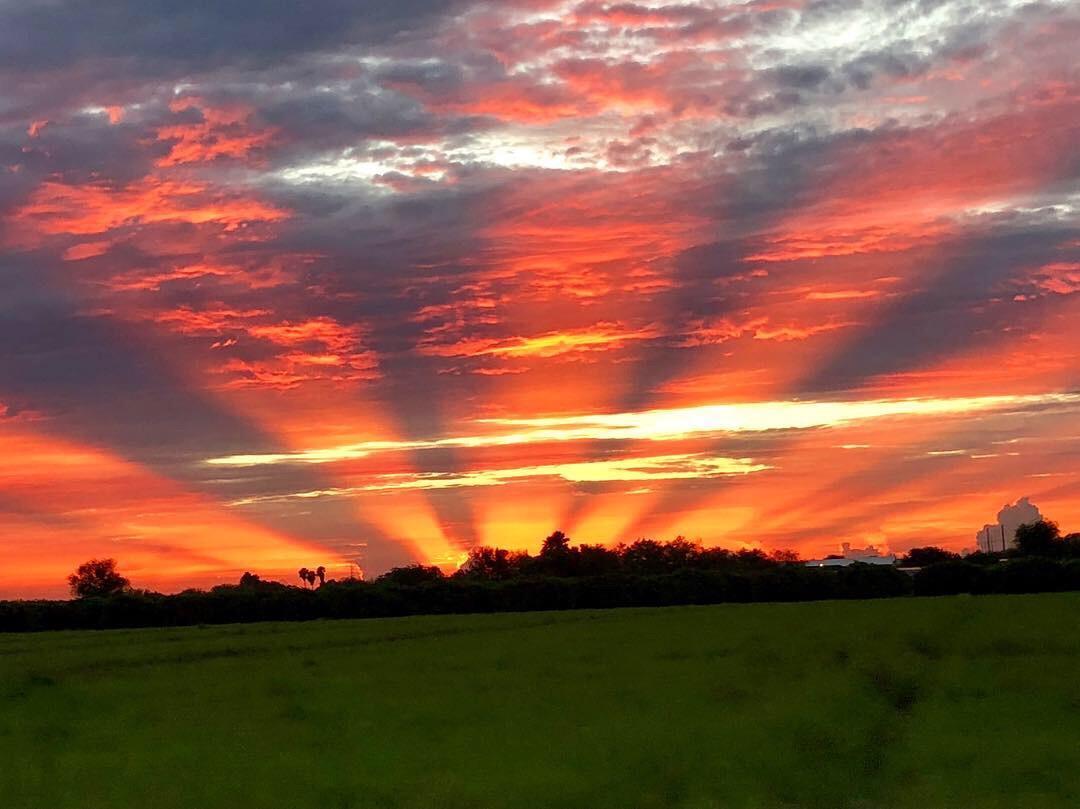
column 82, row 149
column 961, row 303
column 190, row 36
column 100, row 381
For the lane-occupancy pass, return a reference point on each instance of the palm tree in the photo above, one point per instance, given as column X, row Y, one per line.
column 320, row 571
column 303, row 574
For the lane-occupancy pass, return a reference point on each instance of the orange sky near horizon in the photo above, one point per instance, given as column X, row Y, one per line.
column 761, row 274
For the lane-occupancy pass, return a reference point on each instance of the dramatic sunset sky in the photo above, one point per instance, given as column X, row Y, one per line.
column 289, row 284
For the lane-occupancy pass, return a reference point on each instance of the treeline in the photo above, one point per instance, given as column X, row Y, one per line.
column 1043, row 560
column 498, row 587
column 562, row 576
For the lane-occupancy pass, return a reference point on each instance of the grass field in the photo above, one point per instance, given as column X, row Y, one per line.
column 955, row 702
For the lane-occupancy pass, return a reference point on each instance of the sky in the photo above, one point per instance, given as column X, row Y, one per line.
column 369, row 284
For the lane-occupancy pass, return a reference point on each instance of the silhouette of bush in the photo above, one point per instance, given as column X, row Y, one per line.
column 949, row 578
column 1027, row 575
column 562, row 576
column 924, row 557
column 412, row 575
column 1072, row 574
column 984, row 559
column 873, row 581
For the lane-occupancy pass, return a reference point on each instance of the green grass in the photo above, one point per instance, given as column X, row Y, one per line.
column 954, row 702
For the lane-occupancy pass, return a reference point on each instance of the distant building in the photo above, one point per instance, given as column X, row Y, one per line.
column 1000, row 536
column 851, row 556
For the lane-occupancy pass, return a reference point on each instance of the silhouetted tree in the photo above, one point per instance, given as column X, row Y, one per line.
column 412, row 575
column 682, row 552
column 924, row 557
column 556, row 544
column 784, row 556
column 644, row 556
column 252, row 583
column 646, row 573
column 716, row 558
column 320, row 571
column 753, row 559
column 1042, row 538
column 595, row 560
column 250, row 580
column 556, row 558
column 491, row 563
column 98, row 577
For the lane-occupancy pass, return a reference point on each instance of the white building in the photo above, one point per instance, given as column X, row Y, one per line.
column 850, row 555
column 1000, row 536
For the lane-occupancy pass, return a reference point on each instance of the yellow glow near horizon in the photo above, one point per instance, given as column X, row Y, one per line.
column 658, row 467
column 667, row 425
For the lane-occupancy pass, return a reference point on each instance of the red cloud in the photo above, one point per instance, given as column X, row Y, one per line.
column 64, row 209
column 910, row 187
column 223, row 132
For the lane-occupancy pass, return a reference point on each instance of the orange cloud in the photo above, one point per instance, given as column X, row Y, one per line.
column 253, row 271
column 63, row 209
column 223, row 132
column 1058, row 278
column 842, row 294
column 315, row 349
column 85, row 250
column 630, row 86
column 915, row 185
column 760, row 328
column 83, row 502
column 601, row 337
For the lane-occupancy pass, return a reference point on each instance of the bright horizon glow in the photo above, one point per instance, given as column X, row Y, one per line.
column 656, row 467
column 667, row 425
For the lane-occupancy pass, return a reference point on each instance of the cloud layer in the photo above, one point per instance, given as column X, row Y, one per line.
column 494, row 264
